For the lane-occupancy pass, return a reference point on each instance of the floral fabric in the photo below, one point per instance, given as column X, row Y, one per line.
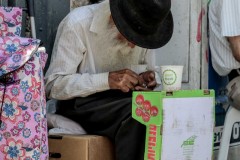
column 23, row 126
column 10, row 21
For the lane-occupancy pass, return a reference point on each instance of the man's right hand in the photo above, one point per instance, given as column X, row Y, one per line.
column 125, row 80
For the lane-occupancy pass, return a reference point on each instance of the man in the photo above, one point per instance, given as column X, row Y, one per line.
column 90, row 66
column 224, row 28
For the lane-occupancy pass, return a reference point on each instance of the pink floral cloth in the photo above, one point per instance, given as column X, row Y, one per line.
column 23, row 125
column 10, row 21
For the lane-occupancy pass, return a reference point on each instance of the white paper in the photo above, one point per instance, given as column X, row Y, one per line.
column 187, row 128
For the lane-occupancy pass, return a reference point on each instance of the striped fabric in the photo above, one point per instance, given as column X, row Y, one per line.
column 224, row 21
column 90, row 55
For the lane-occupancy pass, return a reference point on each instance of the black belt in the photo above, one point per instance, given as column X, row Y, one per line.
column 234, row 73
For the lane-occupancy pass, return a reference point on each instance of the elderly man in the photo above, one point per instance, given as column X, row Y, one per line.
column 224, row 28
column 90, row 67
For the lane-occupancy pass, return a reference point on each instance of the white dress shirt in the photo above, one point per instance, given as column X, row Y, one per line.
column 80, row 64
column 224, row 21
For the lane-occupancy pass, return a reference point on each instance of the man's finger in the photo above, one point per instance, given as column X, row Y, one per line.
column 125, row 89
column 140, row 88
column 152, row 84
column 130, row 86
column 129, row 78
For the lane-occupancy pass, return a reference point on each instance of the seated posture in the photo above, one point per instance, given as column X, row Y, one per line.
column 90, row 70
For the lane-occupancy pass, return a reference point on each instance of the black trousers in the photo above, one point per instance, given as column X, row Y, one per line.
column 109, row 114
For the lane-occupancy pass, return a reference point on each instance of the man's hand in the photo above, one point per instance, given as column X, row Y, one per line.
column 233, row 94
column 125, row 80
column 235, row 46
column 147, row 82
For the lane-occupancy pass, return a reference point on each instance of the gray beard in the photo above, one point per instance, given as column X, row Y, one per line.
column 118, row 54
column 116, row 45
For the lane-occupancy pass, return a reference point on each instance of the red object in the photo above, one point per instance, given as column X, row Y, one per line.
column 139, row 99
column 154, row 111
column 139, row 111
column 147, row 105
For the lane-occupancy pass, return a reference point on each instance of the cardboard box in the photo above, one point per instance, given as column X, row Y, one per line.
column 80, row 147
column 179, row 124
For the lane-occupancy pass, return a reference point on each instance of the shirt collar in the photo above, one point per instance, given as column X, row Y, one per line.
column 100, row 17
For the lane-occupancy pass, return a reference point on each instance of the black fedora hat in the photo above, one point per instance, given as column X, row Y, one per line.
column 146, row 23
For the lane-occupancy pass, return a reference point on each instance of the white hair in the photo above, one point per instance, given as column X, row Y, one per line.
column 119, row 54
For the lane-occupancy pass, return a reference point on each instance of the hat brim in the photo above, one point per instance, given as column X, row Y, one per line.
column 156, row 40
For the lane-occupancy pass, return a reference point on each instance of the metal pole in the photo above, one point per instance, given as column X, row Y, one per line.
column 30, row 6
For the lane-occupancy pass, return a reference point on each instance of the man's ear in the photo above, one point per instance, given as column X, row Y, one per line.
column 111, row 22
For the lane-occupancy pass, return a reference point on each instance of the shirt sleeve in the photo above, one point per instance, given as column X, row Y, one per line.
column 62, row 80
column 230, row 18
